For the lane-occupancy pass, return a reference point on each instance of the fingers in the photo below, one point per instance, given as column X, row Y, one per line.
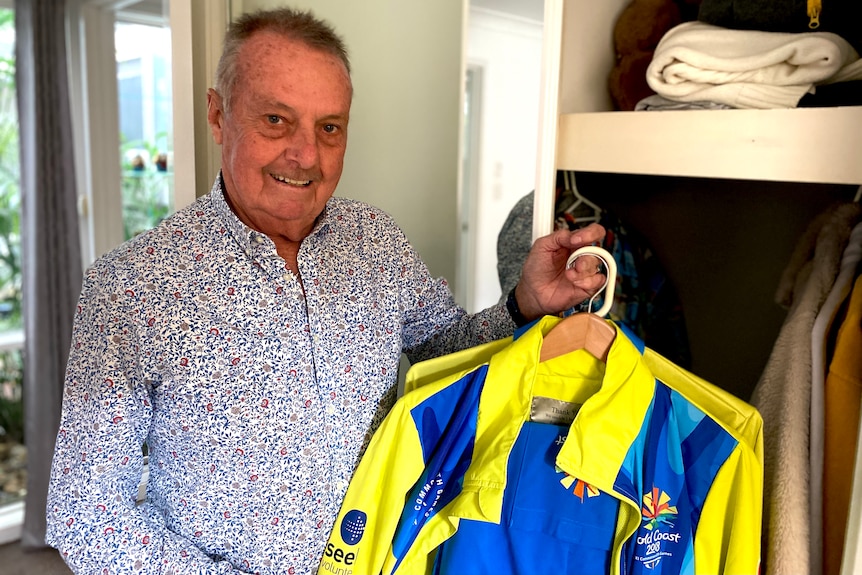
column 588, row 235
column 586, row 273
column 587, row 265
column 546, row 285
column 565, row 241
column 590, row 279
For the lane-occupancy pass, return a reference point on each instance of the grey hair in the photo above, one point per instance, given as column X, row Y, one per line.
column 302, row 26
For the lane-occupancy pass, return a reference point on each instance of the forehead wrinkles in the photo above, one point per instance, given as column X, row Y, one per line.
column 267, row 56
column 263, row 49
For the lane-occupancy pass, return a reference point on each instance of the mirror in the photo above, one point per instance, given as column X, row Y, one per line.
column 503, row 53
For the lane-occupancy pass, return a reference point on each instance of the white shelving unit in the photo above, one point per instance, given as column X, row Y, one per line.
column 798, row 145
column 579, row 132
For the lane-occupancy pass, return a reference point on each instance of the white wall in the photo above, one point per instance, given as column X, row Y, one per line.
column 402, row 152
column 509, row 50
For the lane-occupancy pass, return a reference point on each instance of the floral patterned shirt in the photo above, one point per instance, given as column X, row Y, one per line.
column 254, row 400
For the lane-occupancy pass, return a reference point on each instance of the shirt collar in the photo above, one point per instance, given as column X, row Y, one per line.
column 249, row 240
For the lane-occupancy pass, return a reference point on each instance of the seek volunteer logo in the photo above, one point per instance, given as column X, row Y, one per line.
column 337, row 560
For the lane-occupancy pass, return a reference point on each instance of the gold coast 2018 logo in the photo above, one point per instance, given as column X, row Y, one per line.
column 658, row 515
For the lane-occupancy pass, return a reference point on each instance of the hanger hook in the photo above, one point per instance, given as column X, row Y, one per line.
column 610, row 277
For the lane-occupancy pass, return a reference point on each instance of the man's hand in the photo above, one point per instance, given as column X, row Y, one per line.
column 546, row 286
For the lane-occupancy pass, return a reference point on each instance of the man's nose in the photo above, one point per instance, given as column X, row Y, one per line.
column 302, row 147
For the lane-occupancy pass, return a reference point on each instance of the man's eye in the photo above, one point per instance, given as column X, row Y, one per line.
column 273, row 119
column 330, row 128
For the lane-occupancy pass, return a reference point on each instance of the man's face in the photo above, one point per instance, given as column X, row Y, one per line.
column 284, row 138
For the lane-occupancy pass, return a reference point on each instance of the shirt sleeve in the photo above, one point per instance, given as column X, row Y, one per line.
column 434, row 324
column 93, row 516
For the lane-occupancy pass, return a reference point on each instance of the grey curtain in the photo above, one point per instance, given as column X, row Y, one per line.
column 50, row 250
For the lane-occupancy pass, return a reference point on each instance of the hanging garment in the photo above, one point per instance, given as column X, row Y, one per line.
column 645, row 299
column 783, row 392
column 667, row 466
column 843, row 395
column 822, row 339
column 851, row 559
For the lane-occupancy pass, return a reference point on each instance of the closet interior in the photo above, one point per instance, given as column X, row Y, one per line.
column 722, row 196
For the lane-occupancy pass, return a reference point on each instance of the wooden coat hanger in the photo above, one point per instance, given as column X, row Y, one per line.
column 585, row 330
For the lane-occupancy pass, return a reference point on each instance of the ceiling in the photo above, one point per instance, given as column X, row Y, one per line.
column 148, row 12
column 531, row 9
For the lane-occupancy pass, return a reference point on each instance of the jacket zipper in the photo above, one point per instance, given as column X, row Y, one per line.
column 814, row 9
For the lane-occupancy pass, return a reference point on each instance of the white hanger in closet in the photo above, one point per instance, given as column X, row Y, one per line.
column 569, row 182
column 586, row 330
column 858, row 197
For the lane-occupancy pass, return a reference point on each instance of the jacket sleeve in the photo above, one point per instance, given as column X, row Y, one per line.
column 728, row 536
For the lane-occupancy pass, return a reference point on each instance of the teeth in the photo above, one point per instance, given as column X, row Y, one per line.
column 291, row 182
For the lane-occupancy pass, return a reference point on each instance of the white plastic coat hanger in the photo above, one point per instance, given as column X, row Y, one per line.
column 585, row 330
column 610, row 277
column 858, row 197
column 569, row 182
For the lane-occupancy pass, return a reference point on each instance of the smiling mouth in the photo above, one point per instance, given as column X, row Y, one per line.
column 283, row 179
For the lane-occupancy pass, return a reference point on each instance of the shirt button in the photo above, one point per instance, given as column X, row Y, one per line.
column 340, row 485
column 330, row 409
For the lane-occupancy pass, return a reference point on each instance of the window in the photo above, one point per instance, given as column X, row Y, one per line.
column 13, row 456
column 110, row 131
column 145, row 122
column 121, row 90
column 138, row 68
column 100, row 71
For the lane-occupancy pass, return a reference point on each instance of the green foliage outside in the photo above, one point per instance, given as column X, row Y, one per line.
column 11, row 406
column 10, row 204
column 11, row 364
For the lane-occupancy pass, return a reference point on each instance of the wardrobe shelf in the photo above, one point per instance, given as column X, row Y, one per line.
column 799, row 144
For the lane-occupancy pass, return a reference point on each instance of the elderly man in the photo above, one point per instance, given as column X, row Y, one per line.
column 251, row 342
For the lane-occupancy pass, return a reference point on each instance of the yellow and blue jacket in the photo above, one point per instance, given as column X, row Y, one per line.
column 495, row 462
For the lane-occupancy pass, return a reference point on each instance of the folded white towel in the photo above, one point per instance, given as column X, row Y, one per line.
column 695, row 61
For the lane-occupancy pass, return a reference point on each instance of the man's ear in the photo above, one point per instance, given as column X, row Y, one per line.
column 215, row 114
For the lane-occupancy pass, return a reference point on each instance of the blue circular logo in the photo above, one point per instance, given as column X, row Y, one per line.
column 353, row 526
